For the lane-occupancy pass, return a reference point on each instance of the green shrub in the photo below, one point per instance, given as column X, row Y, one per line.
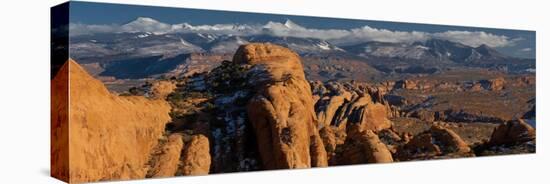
column 228, row 77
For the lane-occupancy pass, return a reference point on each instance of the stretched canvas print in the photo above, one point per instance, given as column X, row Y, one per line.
column 144, row 92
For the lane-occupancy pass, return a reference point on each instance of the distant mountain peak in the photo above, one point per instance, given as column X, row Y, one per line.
column 146, row 24
column 485, row 48
column 144, row 20
column 290, row 24
column 431, row 49
column 488, row 51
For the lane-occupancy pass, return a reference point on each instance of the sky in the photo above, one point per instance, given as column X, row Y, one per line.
column 86, row 17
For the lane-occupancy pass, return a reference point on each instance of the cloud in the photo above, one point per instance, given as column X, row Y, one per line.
column 383, row 35
column 83, row 29
column 289, row 28
column 526, row 50
column 144, row 24
column 476, row 38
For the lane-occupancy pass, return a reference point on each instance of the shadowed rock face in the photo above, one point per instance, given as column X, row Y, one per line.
column 328, row 109
column 512, row 132
column 437, row 142
column 370, row 116
column 281, row 112
column 110, row 137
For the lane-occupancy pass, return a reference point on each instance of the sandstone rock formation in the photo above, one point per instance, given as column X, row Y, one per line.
column 406, row 84
column 328, row 109
column 364, row 147
column 437, row 142
column 351, row 115
column 110, row 137
column 496, row 84
column 329, row 139
column 166, row 161
column 362, row 111
column 59, row 127
column 281, row 112
column 375, row 117
column 196, row 156
column 341, row 104
column 375, row 150
column 512, row 132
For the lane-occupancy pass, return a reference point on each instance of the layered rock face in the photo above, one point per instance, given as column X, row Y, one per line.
column 281, row 111
column 110, row 137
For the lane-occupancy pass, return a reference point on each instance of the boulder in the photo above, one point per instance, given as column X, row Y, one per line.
column 375, row 150
column 496, row 84
column 375, row 117
column 405, row 84
column 166, row 160
column 476, row 87
column 196, row 156
column 364, row 147
column 437, row 142
column 512, row 132
column 411, row 85
column 282, row 111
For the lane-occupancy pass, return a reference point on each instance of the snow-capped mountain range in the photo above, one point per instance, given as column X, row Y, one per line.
column 291, row 29
column 146, row 37
column 433, row 49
